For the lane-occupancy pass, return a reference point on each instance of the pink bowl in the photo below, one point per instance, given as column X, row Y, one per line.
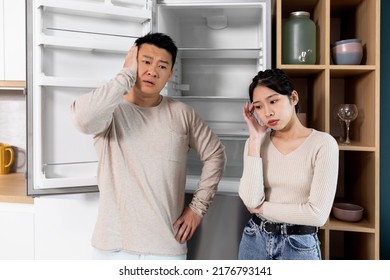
column 347, row 212
column 347, row 51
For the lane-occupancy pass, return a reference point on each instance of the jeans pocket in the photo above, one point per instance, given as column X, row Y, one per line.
column 250, row 229
column 306, row 242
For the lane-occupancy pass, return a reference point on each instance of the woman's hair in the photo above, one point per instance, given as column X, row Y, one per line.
column 161, row 41
column 274, row 79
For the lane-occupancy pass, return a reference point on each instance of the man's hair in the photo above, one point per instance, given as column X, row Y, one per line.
column 159, row 40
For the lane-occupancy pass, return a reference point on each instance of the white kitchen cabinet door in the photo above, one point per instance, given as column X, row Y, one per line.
column 64, row 225
column 17, row 231
column 13, row 40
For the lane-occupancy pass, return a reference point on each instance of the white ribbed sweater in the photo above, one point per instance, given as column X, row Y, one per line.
column 296, row 188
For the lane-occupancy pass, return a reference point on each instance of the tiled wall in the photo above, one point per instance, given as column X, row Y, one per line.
column 13, row 125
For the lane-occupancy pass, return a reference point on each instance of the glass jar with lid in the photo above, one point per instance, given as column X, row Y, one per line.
column 299, row 39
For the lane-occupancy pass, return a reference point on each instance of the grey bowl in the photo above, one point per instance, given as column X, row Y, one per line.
column 347, row 212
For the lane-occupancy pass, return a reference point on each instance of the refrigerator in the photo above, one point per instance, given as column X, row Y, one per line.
column 74, row 46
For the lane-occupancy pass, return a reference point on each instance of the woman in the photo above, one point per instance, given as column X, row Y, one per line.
column 290, row 174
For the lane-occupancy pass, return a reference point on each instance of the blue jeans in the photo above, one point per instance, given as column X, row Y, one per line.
column 259, row 245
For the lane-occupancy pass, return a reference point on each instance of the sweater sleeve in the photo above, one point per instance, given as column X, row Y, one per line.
column 212, row 154
column 315, row 211
column 92, row 112
column 251, row 188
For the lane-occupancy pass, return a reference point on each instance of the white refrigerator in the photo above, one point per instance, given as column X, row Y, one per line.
column 76, row 45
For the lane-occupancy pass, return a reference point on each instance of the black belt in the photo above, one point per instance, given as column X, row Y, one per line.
column 278, row 228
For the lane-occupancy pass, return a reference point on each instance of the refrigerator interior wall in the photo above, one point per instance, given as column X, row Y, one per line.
column 222, row 45
column 74, row 46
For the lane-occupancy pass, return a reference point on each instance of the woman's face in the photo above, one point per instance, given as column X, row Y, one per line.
column 274, row 109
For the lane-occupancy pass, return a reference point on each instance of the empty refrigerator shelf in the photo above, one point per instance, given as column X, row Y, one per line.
column 97, row 10
column 227, row 185
column 213, row 53
column 207, row 98
column 229, row 129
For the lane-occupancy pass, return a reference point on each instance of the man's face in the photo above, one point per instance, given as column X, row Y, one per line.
column 154, row 69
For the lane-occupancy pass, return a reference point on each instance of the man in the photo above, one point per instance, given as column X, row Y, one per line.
column 142, row 140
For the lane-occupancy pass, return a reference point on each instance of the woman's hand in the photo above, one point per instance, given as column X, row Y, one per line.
column 256, row 131
column 254, row 128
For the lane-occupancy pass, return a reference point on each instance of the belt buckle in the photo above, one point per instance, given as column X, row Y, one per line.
column 263, row 227
column 283, row 229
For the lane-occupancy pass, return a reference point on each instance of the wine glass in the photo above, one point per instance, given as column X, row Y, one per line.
column 348, row 113
column 340, row 121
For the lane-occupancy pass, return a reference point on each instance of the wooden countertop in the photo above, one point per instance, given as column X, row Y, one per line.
column 13, row 188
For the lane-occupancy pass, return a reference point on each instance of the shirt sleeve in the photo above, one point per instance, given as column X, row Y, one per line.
column 92, row 112
column 212, row 154
column 251, row 188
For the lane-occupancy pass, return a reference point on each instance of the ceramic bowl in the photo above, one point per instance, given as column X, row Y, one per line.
column 347, row 52
column 347, row 212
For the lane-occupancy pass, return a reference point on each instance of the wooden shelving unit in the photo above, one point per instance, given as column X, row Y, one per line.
column 321, row 87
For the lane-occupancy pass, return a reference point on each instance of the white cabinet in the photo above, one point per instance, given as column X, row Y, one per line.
column 16, row 231
column 12, row 40
column 64, row 226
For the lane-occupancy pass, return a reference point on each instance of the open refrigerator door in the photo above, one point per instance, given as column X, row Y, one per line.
column 73, row 47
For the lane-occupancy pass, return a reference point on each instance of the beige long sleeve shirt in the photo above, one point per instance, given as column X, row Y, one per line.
column 142, row 156
column 297, row 188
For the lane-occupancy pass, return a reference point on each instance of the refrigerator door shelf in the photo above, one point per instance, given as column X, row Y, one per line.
column 69, row 82
column 82, row 21
column 134, row 13
column 61, row 175
column 118, row 44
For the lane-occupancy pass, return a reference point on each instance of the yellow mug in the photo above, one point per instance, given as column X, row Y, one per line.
column 6, row 158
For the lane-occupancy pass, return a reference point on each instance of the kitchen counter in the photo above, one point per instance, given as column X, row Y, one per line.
column 13, row 189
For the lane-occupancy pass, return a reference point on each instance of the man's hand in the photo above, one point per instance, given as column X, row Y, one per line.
column 187, row 223
column 131, row 59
